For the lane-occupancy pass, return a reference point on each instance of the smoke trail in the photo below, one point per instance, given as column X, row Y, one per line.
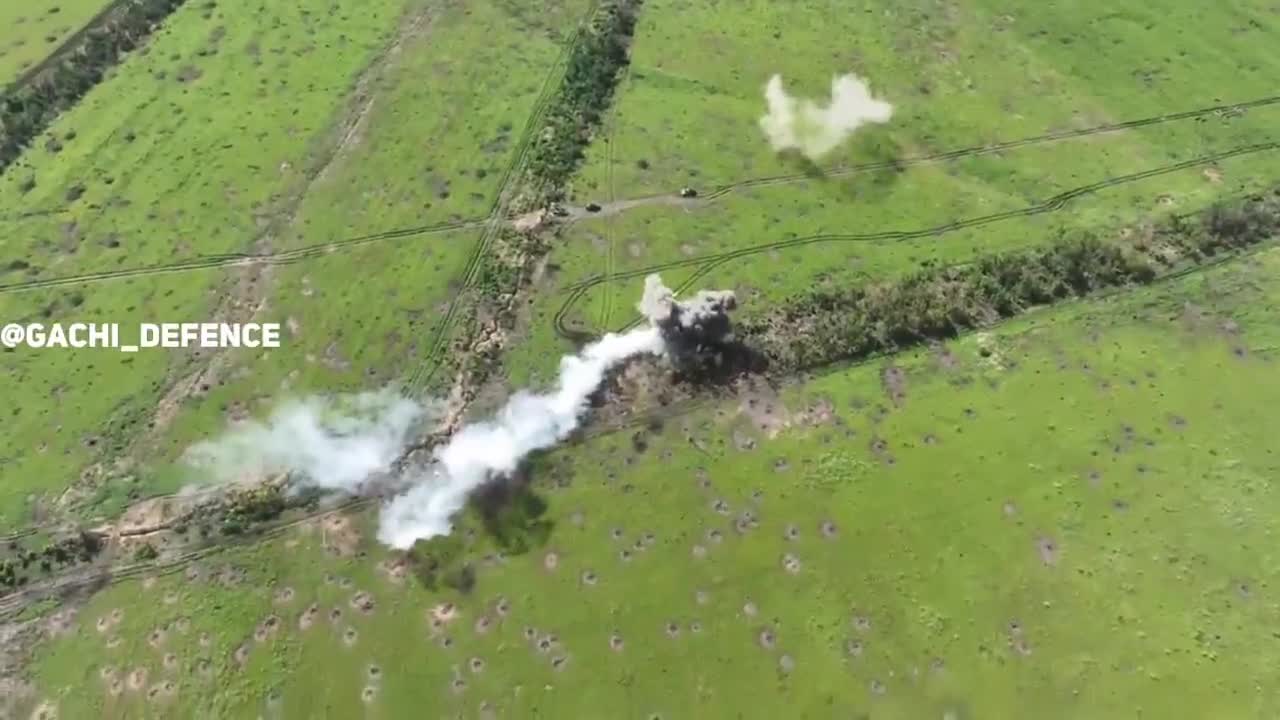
column 481, row 451
column 341, row 444
column 815, row 130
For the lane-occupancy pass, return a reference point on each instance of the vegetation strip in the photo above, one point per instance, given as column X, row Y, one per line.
column 31, row 105
column 502, row 261
column 823, row 327
column 594, row 67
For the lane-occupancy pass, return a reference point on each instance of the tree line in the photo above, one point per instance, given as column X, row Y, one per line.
column 593, row 68
column 825, row 326
column 30, row 106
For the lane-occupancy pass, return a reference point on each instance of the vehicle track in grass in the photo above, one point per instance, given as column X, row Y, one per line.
column 285, row 257
column 706, row 263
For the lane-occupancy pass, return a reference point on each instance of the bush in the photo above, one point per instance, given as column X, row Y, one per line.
column 584, row 95
column 247, row 508
column 438, row 560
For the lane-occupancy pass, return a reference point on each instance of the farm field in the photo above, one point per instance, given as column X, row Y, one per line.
column 1023, row 518
column 34, row 28
column 994, row 436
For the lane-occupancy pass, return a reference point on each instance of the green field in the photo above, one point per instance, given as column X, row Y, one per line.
column 33, row 29
column 1067, row 514
column 965, row 76
column 1037, row 524
column 258, row 154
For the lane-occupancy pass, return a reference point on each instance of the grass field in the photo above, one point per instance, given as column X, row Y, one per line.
column 189, row 149
column 179, row 175
column 1026, row 518
column 1067, row 515
column 965, row 79
column 35, row 28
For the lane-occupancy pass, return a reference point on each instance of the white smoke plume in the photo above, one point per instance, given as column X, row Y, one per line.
column 335, row 443
column 340, row 444
column 483, row 450
column 815, row 130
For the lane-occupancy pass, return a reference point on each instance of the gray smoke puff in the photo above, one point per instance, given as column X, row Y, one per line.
column 691, row 329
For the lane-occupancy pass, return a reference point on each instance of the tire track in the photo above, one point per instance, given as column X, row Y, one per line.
column 205, row 262
column 705, row 264
column 63, row 583
column 284, row 257
column 1230, row 110
column 1226, row 110
column 606, row 313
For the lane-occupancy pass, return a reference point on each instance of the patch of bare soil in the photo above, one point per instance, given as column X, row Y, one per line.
column 152, row 516
column 339, row 535
column 137, row 679
column 61, row 622
column 1201, row 323
column 945, row 359
column 363, row 602
column 108, row 674
column 157, row 637
column 267, row 629
column 818, row 412
column 46, row 710
column 395, row 569
column 764, row 409
column 443, row 613
column 1048, row 550
column 308, row 617
column 162, row 691
column 530, row 222
column 894, row 381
